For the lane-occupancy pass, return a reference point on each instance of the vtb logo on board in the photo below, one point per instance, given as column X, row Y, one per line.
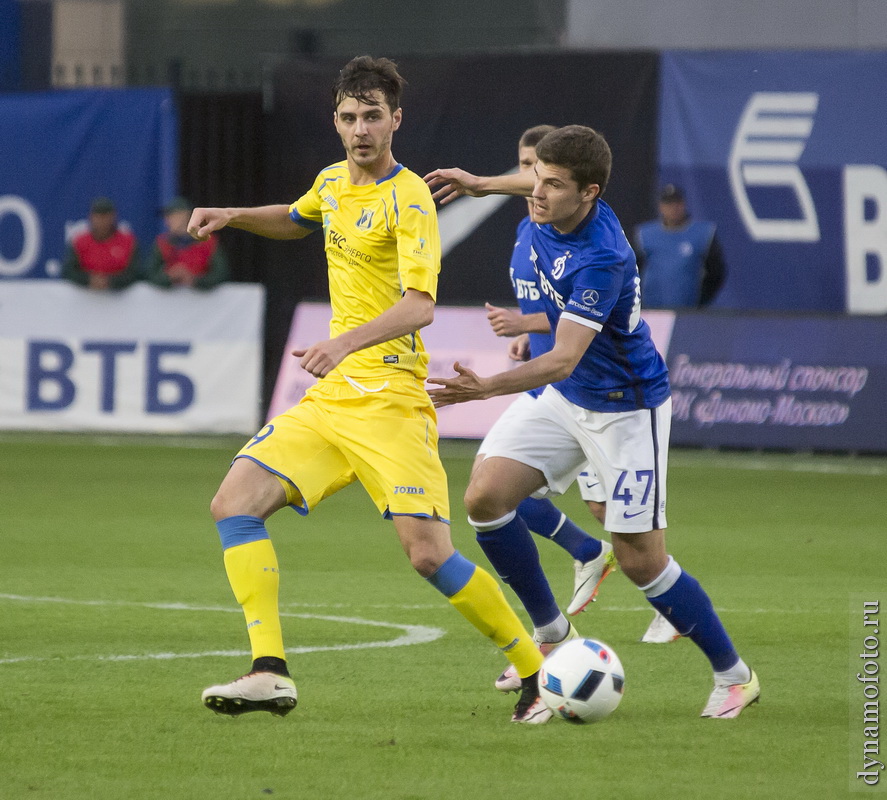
column 770, row 139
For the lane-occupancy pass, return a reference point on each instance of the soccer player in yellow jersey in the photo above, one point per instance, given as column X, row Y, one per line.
column 368, row 418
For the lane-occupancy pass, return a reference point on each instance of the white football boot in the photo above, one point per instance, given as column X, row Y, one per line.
column 257, row 691
column 661, row 631
column 727, row 702
column 589, row 577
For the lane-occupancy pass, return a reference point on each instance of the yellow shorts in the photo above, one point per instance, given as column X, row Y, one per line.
column 380, row 431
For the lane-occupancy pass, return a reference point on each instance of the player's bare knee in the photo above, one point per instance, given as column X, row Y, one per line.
column 425, row 558
column 641, row 556
column 425, row 564
column 641, row 568
column 483, row 505
column 636, row 573
column 230, row 501
column 220, row 506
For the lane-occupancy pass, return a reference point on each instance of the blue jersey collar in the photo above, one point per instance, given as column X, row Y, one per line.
column 586, row 221
column 391, row 174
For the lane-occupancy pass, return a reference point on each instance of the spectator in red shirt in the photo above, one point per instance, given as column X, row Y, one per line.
column 178, row 260
column 102, row 257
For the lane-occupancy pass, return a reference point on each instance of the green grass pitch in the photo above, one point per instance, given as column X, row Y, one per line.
column 115, row 613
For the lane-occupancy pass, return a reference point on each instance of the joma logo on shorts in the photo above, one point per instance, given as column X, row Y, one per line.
column 409, row 490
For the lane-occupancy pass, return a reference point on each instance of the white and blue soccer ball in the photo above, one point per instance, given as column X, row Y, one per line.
column 582, row 680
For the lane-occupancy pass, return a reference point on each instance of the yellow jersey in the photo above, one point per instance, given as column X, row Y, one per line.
column 380, row 240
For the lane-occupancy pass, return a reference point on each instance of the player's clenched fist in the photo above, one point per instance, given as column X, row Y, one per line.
column 206, row 220
column 321, row 358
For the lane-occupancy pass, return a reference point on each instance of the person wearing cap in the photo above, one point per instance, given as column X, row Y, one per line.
column 679, row 258
column 178, row 260
column 103, row 256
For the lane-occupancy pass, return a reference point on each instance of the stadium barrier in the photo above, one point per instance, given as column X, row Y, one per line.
column 457, row 334
column 771, row 381
column 140, row 360
column 810, row 382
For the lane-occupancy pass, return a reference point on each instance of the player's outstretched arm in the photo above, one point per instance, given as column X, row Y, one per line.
column 413, row 311
column 449, row 184
column 273, row 222
column 572, row 340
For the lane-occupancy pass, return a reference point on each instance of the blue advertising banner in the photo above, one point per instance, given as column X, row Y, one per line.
column 59, row 150
column 786, row 152
column 10, row 45
column 779, row 382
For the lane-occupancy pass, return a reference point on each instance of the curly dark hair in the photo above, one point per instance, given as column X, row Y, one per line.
column 363, row 75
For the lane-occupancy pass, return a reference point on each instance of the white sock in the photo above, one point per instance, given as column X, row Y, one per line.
column 664, row 580
column 555, row 631
column 492, row 525
column 738, row 673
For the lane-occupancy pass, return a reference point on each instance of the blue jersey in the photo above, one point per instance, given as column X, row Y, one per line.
column 590, row 276
column 526, row 290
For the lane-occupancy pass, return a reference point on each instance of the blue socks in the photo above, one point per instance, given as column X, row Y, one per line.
column 453, row 575
column 545, row 519
column 510, row 548
column 240, row 530
column 678, row 596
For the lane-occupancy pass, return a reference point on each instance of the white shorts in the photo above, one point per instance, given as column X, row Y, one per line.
column 590, row 488
column 628, row 451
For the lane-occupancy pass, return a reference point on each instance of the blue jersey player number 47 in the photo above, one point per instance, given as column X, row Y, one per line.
column 607, row 402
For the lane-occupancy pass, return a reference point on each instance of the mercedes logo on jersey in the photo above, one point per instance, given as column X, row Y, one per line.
column 590, row 297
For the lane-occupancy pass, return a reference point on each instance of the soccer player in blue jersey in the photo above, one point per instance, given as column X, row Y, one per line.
column 593, row 558
column 609, row 399
column 369, row 417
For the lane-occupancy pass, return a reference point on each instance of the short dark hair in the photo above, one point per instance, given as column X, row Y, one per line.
column 363, row 75
column 581, row 150
column 532, row 136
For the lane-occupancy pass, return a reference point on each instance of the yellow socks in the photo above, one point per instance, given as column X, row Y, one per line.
column 255, row 578
column 253, row 573
column 476, row 596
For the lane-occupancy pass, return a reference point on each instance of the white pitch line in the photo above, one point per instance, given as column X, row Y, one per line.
column 359, row 620
column 595, row 608
column 411, row 634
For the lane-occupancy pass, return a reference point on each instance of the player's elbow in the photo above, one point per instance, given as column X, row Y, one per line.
column 295, row 232
column 422, row 307
column 427, row 316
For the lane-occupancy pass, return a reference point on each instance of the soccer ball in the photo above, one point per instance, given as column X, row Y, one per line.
column 582, row 680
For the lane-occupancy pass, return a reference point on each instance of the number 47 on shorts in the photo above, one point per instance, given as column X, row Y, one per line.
column 643, row 478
